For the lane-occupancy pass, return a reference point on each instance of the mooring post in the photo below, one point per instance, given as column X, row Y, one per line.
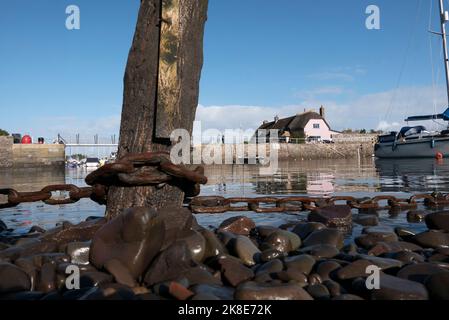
column 161, row 88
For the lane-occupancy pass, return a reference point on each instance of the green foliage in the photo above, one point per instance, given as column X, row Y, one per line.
column 4, row 133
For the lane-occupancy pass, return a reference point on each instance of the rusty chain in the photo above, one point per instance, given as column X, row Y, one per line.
column 132, row 170
column 155, row 168
column 216, row 204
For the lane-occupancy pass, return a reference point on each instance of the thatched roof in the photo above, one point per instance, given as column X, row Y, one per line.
column 294, row 123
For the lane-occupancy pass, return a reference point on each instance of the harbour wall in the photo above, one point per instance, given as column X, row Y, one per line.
column 30, row 155
column 288, row 151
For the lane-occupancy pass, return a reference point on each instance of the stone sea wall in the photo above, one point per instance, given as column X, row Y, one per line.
column 30, row 155
column 312, row 151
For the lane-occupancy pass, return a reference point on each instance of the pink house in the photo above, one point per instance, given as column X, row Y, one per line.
column 308, row 125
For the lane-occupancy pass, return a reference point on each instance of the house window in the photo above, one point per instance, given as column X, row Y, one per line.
column 316, row 125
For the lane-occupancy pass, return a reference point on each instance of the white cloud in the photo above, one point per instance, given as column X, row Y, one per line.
column 332, row 76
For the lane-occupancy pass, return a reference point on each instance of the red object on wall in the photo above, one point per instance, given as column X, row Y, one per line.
column 27, row 140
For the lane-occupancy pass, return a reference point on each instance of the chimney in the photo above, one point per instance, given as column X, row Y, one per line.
column 265, row 122
column 322, row 112
column 276, row 118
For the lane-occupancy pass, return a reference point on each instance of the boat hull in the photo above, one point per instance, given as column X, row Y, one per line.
column 420, row 148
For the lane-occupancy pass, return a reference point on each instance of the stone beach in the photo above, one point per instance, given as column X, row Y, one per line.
column 148, row 254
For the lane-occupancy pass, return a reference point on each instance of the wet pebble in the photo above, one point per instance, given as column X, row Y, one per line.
column 366, row 220
column 319, row 251
column 13, row 279
column 259, row 291
column 245, row 249
column 134, row 238
column 438, row 220
column 332, row 216
column 416, row 216
column 214, row 247
column 271, row 254
column 120, row 273
column 239, row 225
column 318, row 291
column 94, row 279
column 431, row 239
column 233, row 271
column 78, row 252
column 354, row 270
column 394, row 288
column 438, row 286
column 325, row 237
column 419, row 272
column 303, row 230
column 272, row 266
column 47, row 278
column 303, row 263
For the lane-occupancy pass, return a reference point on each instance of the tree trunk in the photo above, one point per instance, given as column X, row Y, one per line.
column 145, row 115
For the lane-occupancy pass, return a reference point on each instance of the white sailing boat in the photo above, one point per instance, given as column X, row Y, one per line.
column 416, row 141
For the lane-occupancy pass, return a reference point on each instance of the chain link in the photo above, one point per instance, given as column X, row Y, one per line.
column 217, row 204
column 132, row 170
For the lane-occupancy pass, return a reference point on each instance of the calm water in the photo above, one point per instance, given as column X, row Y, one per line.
column 331, row 177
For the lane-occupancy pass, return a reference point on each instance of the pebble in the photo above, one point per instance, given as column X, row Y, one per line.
column 259, row 291
column 383, row 263
column 222, row 293
column 319, row 251
column 325, row 268
column 394, row 288
column 245, row 249
column 170, row 264
column 419, row 272
column 292, row 275
column 366, row 220
column 270, row 254
column 438, row 220
column 318, row 291
column 334, row 288
column 47, row 278
column 13, row 279
column 134, row 238
column 305, row 229
column 196, row 244
column 438, row 286
column 332, row 216
column 79, row 252
column 239, row 225
column 94, row 279
column 416, row 216
column 233, row 271
column 408, row 257
column 354, row 270
column 325, row 236
column 270, row 267
column 120, row 273
column 303, row 263
column 214, row 247
column 264, row 231
column 431, row 239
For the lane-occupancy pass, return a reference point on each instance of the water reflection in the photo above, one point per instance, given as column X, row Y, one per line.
column 413, row 175
column 325, row 178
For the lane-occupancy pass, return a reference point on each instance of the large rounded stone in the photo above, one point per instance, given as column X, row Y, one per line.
column 382, row 263
column 438, row 286
column 233, row 271
column 170, row 264
column 134, row 238
column 283, row 241
column 303, row 230
column 432, row 239
column 327, row 267
column 394, row 288
column 13, row 279
column 373, row 235
column 419, row 272
column 333, row 216
column 303, row 263
column 196, row 244
column 240, row 225
column 47, row 278
column 214, row 247
column 325, row 236
column 438, row 220
column 319, row 291
column 319, row 251
column 354, row 270
column 259, row 291
column 245, row 249
column 270, row 267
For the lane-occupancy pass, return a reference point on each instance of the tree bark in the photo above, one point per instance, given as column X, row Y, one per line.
column 142, row 115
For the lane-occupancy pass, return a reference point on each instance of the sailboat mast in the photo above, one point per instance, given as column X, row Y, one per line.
column 444, row 19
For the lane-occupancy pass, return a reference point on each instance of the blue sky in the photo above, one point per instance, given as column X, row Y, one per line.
column 262, row 58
